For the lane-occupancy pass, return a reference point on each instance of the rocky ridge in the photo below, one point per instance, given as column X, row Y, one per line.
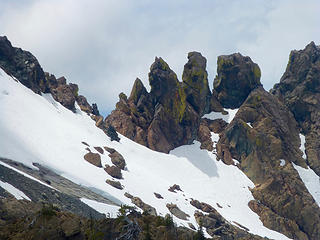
column 170, row 115
column 263, row 137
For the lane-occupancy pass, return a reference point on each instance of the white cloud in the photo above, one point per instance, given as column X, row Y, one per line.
column 104, row 45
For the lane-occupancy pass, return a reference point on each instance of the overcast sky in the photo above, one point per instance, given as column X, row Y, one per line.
column 104, row 45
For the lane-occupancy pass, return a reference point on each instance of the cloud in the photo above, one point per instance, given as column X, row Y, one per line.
column 104, row 45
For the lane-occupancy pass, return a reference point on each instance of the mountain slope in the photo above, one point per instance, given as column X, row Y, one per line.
column 35, row 128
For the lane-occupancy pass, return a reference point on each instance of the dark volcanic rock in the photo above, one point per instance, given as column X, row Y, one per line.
column 237, row 77
column 195, row 77
column 299, row 89
column 23, row 66
column 275, row 136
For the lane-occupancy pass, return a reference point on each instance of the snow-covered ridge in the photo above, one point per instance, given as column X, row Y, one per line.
column 35, row 128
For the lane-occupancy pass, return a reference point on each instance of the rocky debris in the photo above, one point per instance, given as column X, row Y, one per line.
column 218, row 228
column 195, row 79
column 204, row 136
column 218, row 205
column 203, row 206
column 84, row 105
column 157, row 195
column 111, row 132
column 140, row 204
column 23, row 66
column 259, row 149
column 176, row 211
column 115, row 184
column 84, row 143
column 117, row 159
column 191, row 226
column 299, row 89
column 273, row 221
column 168, row 116
column 216, row 125
column 65, row 94
column 174, row 188
column 237, row 77
column 110, row 150
column 99, row 149
column 113, row 171
column 93, row 158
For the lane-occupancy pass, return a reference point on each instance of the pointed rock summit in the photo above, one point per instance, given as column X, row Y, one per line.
column 168, row 116
column 237, row 77
column 195, row 79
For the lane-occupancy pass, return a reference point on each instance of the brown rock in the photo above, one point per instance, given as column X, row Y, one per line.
column 118, row 160
column 110, row 150
column 115, row 184
column 173, row 208
column 204, row 136
column 174, row 188
column 113, row 171
column 93, row 158
column 99, row 149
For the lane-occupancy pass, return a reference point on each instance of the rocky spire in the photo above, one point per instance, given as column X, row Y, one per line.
column 237, row 77
column 195, row 78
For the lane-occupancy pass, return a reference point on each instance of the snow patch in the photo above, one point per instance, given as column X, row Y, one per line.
column 311, row 180
column 14, row 191
column 216, row 115
column 109, row 210
column 302, row 145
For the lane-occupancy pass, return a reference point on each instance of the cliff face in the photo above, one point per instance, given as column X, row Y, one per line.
column 299, row 89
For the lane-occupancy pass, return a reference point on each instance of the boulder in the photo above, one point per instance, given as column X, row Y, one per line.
column 66, row 95
column 93, row 158
column 174, row 188
column 237, row 77
column 99, row 149
column 113, row 171
column 83, row 104
column 177, row 212
column 115, row 184
column 118, row 160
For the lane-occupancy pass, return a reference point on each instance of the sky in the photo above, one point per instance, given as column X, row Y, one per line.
column 103, row 46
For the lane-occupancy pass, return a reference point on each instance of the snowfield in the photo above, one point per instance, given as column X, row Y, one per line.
column 35, row 128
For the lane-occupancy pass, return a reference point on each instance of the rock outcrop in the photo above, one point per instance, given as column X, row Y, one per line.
column 23, row 66
column 168, row 116
column 273, row 137
column 237, row 77
column 299, row 89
